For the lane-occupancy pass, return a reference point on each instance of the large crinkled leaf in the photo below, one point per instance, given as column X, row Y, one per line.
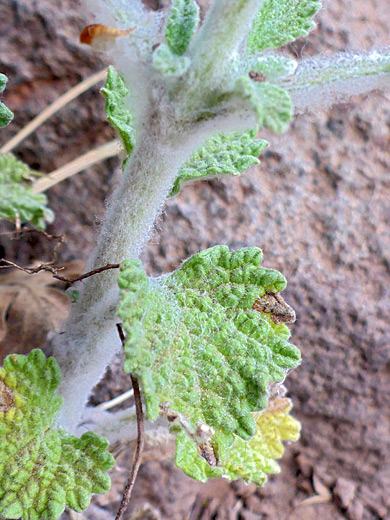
column 281, row 21
column 273, row 104
column 231, row 154
column 250, row 460
column 203, row 352
column 17, row 198
column 117, row 113
column 181, row 25
column 6, row 115
column 43, row 469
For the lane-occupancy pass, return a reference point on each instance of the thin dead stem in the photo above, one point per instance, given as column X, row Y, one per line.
column 52, row 109
column 77, row 165
column 140, row 441
column 49, row 267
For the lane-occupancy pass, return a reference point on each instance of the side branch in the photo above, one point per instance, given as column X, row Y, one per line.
column 140, row 441
column 54, row 270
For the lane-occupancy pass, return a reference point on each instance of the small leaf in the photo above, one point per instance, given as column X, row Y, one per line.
column 181, row 25
column 17, row 199
column 204, row 356
column 250, row 460
column 274, row 67
column 43, row 469
column 168, row 63
column 6, row 115
column 281, row 21
column 117, row 113
column 273, row 105
column 222, row 154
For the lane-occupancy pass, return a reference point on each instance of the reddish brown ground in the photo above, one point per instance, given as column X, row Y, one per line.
column 319, row 207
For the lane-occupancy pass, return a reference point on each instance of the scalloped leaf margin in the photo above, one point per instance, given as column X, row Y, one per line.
column 222, row 154
column 281, row 21
column 250, row 460
column 43, row 468
column 18, row 201
column 6, row 115
column 204, row 354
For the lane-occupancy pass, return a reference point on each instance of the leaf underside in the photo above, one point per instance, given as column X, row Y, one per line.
column 204, row 355
column 117, row 113
column 230, row 154
column 17, row 198
column 43, row 469
column 281, row 21
column 273, row 104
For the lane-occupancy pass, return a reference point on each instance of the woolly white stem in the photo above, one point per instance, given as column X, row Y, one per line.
column 221, row 35
column 90, row 340
column 119, row 426
column 322, row 81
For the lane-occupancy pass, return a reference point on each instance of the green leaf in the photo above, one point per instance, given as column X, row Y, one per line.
column 117, row 113
column 168, row 63
column 181, row 25
column 273, row 104
column 43, row 468
column 6, row 115
column 231, row 154
column 250, row 460
column 17, row 198
column 281, row 21
column 204, row 355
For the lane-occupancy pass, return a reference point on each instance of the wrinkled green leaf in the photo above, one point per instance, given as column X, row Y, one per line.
column 250, row 460
column 281, row 21
column 273, row 104
column 17, row 198
column 230, row 154
column 6, row 115
column 43, row 469
column 181, row 25
column 117, row 113
column 202, row 352
column 168, row 63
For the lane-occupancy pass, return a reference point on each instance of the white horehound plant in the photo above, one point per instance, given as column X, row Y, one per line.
column 208, row 343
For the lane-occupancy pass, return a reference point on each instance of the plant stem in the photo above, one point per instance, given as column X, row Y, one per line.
column 139, row 448
column 219, row 39
column 77, row 165
column 90, row 342
column 52, row 109
column 117, row 400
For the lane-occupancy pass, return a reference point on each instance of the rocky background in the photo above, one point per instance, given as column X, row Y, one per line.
column 318, row 205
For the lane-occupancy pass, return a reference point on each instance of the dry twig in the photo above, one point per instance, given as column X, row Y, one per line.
column 140, row 441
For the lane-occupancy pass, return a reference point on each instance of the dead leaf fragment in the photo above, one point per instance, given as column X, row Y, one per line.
column 323, row 494
column 31, row 305
column 101, row 37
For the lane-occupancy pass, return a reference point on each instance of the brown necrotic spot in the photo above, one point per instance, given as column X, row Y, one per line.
column 6, row 397
column 207, row 452
column 274, row 305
